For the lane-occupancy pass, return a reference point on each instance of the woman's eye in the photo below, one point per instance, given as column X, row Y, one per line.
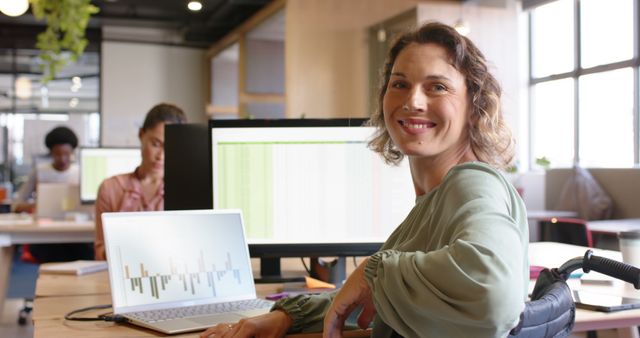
column 438, row 88
column 398, row 85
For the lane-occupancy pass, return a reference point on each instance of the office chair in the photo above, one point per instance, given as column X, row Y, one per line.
column 566, row 230
column 43, row 253
column 551, row 311
column 24, row 256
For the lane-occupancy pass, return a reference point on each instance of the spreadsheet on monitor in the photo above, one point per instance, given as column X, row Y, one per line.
column 97, row 164
column 309, row 184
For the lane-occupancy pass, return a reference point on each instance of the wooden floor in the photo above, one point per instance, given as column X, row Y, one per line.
column 9, row 327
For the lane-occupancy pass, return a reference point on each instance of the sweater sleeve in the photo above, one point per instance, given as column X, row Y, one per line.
column 470, row 286
column 306, row 311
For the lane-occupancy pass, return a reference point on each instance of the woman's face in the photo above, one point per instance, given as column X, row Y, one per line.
column 425, row 106
column 152, row 144
column 61, row 155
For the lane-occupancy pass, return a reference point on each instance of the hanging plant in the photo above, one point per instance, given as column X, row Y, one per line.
column 64, row 39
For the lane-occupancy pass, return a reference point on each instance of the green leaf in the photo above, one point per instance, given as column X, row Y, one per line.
column 67, row 22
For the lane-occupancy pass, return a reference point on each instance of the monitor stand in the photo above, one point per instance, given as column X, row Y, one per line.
column 329, row 271
column 334, row 271
column 270, row 272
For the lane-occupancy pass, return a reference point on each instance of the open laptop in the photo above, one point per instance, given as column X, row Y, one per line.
column 54, row 200
column 180, row 271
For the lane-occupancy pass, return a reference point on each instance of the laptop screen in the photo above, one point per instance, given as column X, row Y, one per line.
column 53, row 200
column 176, row 258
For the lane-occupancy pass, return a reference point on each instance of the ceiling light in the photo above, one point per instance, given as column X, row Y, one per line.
column 14, row 7
column 194, row 5
column 23, row 87
column 76, row 84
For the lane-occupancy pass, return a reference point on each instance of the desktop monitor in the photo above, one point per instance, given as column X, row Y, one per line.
column 306, row 187
column 187, row 171
column 97, row 164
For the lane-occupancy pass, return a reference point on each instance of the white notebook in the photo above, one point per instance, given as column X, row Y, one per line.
column 73, row 268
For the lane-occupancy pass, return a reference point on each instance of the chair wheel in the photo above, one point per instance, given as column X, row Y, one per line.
column 22, row 318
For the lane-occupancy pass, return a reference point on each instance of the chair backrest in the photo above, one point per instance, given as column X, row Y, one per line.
column 566, row 230
column 551, row 311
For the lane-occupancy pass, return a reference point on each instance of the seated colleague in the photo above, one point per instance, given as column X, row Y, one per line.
column 143, row 189
column 457, row 265
column 61, row 142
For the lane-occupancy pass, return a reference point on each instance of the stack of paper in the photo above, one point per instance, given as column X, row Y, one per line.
column 73, row 268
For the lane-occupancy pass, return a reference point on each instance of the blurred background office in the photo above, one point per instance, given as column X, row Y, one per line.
column 571, row 88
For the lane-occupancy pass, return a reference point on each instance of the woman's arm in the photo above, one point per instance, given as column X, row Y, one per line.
column 103, row 204
column 467, row 280
column 474, row 285
column 20, row 202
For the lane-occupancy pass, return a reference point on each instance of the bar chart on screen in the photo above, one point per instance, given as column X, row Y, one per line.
column 170, row 278
column 203, row 280
column 162, row 258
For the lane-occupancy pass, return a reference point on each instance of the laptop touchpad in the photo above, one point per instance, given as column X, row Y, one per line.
column 216, row 319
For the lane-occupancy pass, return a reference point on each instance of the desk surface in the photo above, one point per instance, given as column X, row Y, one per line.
column 542, row 214
column 56, row 295
column 614, row 226
column 21, row 229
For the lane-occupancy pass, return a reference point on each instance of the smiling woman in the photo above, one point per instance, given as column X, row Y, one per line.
column 143, row 189
column 457, row 265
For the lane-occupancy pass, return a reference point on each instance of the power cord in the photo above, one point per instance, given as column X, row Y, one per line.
column 107, row 317
column 305, row 265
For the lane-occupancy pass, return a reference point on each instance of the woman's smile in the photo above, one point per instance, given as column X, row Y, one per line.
column 416, row 126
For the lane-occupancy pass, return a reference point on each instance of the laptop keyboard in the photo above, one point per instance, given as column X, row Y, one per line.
column 200, row 310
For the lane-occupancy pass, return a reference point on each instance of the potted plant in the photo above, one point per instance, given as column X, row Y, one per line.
column 64, row 39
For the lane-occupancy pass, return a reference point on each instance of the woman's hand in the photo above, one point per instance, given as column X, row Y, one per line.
column 354, row 292
column 269, row 325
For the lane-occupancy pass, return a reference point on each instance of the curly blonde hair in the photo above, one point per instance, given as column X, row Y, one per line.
column 490, row 137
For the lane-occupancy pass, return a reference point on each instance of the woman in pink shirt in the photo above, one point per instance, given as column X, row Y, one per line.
column 143, row 189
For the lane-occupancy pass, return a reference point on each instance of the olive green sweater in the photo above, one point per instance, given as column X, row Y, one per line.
column 457, row 266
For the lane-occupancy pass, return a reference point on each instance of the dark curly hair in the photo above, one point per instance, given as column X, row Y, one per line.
column 491, row 139
column 61, row 135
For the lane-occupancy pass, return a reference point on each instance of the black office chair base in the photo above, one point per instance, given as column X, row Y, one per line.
column 25, row 311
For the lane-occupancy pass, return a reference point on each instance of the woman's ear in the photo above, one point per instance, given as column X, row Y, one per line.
column 140, row 133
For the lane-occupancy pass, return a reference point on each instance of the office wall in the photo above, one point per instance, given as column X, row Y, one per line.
column 136, row 76
column 495, row 30
column 326, row 53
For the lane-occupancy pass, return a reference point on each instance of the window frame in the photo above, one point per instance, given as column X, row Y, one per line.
column 578, row 71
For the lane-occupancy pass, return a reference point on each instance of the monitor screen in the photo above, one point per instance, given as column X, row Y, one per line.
column 97, row 164
column 302, row 182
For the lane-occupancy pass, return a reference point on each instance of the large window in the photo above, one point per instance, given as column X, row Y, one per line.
column 29, row 109
column 584, row 82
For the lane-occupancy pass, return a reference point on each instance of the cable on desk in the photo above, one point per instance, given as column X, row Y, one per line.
column 305, row 266
column 107, row 317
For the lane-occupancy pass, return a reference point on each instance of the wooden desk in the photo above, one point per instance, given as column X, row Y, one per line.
column 57, row 295
column 19, row 231
column 543, row 214
column 614, row 226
